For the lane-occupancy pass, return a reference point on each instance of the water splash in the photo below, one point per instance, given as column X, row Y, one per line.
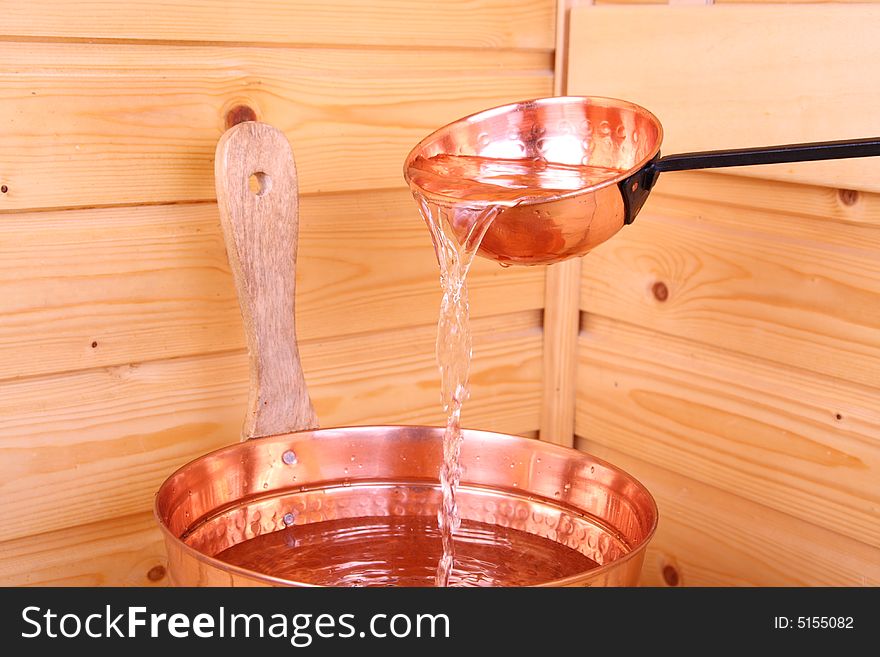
column 456, row 232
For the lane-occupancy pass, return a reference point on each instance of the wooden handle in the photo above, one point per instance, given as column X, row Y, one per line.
column 261, row 229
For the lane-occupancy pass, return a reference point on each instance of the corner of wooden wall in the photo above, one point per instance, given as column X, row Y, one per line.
column 561, row 299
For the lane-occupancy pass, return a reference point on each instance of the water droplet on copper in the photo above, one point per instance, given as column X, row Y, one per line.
column 289, row 458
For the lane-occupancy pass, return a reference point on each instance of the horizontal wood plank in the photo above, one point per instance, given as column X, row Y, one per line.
column 790, row 288
column 95, row 445
column 87, row 124
column 738, row 2
column 838, row 208
column 709, row 537
column 452, row 23
column 91, row 288
column 739, row 76
column 116, row 552
column 802, row 444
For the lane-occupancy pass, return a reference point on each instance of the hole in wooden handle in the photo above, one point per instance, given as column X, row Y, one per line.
column 260, row 183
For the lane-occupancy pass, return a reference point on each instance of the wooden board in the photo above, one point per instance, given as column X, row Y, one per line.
column 92, row 124
column 117, row 552
column 95, row 445
column 120, row 346
column 561, row 302
column 738, row 76
column 484, row 23
column 838, row 208
column 794, row 289
column 90, row 288
column 802, row 444
column 709, row 537
column 720, row 2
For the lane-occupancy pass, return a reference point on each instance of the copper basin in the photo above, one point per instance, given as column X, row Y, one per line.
column 239, row 492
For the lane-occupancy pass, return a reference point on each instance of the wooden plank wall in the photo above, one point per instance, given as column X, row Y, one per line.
column 121, row 353
column 729, row 349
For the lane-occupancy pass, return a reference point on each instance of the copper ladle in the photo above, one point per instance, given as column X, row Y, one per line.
column 603, row 132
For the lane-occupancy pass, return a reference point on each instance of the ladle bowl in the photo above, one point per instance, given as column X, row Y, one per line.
column 601, row 132
column 612, row 134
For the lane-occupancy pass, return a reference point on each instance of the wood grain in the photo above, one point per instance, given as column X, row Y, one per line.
column 836, row 207
column 84, row 125
column 92, row 288
column 261, row 229
column 739, row 76
column 794, row 441
column 124, row 551
column 98, row 443
column 793, row 289
column 709, row 537
column 453, row 23
column 121, row 348
column 804, row 2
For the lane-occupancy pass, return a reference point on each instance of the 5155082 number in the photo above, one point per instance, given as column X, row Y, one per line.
column 813, row 622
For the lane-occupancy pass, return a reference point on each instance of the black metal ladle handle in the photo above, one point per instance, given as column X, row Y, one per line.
column 820, row 150
column 636, row 187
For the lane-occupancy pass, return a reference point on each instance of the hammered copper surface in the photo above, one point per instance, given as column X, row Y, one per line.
column 572, row 130
column 248, row 489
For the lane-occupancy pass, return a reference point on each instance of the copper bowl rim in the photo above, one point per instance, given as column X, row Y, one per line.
column 605, row 101
column 271, row 579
